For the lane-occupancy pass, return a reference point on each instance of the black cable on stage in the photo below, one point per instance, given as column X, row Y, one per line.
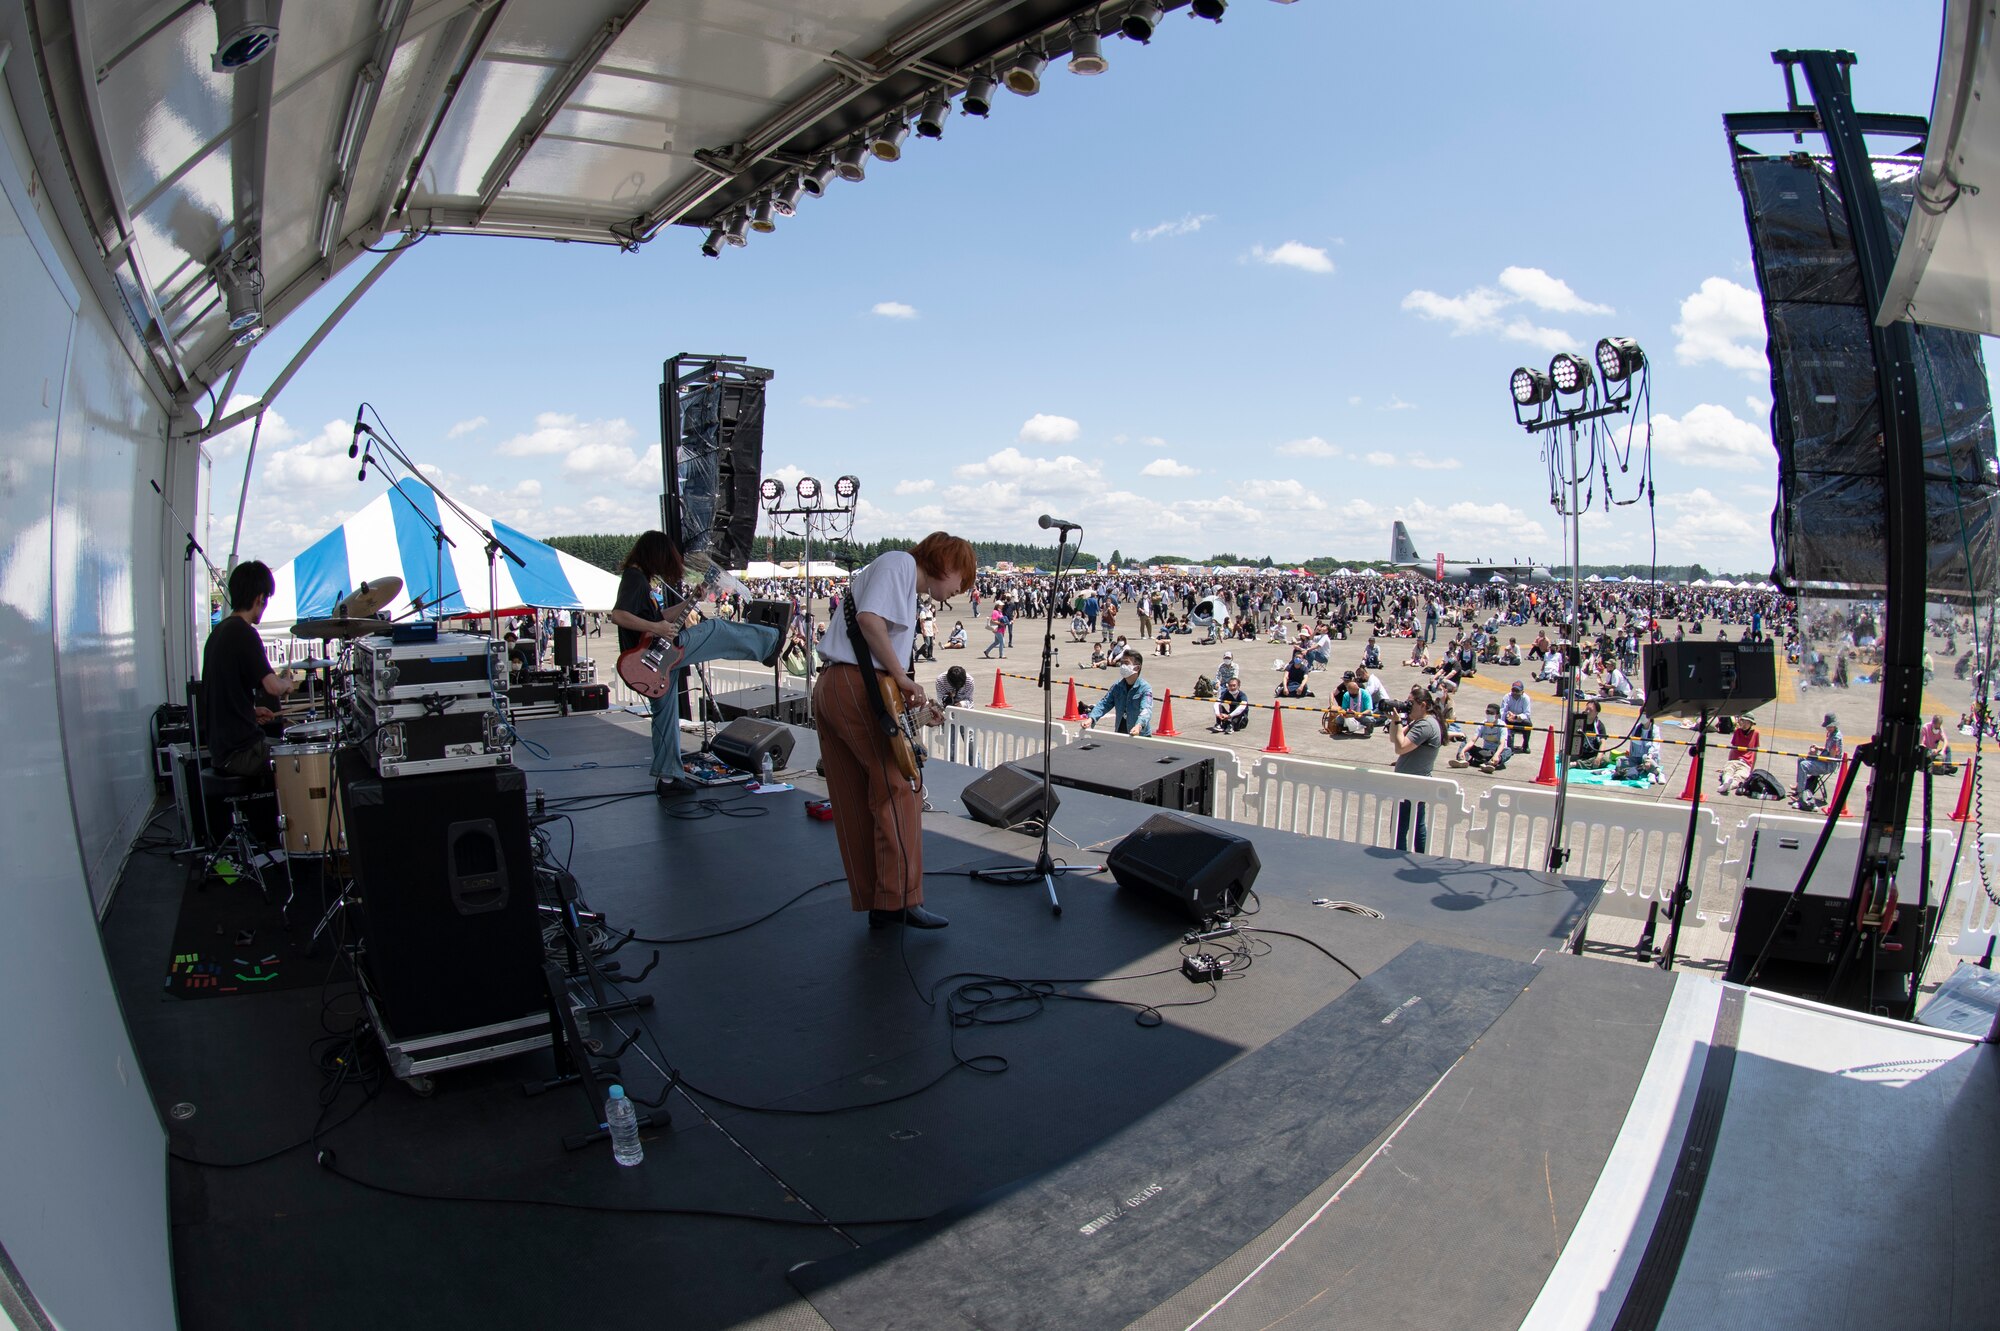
column 1282, row 933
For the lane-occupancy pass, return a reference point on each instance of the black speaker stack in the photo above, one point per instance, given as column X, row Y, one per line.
column 444, row 881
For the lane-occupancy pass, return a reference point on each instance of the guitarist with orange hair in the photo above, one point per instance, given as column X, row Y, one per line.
column 877, row 812
column 651, row 604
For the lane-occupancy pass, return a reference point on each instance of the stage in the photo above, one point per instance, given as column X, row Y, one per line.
column 1411, row 1148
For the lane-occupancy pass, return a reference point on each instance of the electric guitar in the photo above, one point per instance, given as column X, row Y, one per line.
column 648, row 668
column 902, row 725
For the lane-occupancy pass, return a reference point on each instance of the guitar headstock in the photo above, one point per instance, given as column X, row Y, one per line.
column 715, row 579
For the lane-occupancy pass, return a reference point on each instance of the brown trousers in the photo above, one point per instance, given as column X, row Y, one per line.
column 876, row 816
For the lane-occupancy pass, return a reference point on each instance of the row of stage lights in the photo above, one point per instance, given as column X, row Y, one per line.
column 884, row 142
column 1569, row 376
column 809, row 492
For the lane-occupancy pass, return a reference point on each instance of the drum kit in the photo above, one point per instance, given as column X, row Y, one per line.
column 302, row 768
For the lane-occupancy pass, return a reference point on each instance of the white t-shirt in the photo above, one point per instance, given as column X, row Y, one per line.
column 887, row 587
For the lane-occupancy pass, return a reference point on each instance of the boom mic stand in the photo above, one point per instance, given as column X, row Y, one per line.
column 1045, row 867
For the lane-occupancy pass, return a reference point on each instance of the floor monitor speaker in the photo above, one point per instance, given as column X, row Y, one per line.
column 1204, row 870
column 1007, row 796
column 743, row 743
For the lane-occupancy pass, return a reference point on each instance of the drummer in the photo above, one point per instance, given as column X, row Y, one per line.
column 234, row 667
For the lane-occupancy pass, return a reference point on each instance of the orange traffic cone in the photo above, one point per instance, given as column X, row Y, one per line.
column 1165, row 730
column 1547, row 776
column 999, row 703
column 1840, row 779
column 1964, row 810
column 1070, row 712
column 1689, row 793
column 1277, row 744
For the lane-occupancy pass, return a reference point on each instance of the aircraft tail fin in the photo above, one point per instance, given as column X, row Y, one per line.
column 1402, row 550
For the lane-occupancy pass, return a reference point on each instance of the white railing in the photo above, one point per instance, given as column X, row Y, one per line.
column 1358, row 804
column 1981, row 917
column 985, row 739
column 1633, row 845
column 1836, row 865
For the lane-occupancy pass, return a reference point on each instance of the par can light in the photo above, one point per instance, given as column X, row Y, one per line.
column 761, row 219
column 930, row 120
column 846, row 488
column 1024, row 76
column 1618, row 359
column 1141, row 21
column 978, row 100
column 1570, row 373
column 773, row 490
column 887, row 145
column 1530, row 387
column 1208, row 9
column 851, row 163
column 1086, row 54
column 712, row 247
column 807, row 490
column 822, row 174
column 785, row 203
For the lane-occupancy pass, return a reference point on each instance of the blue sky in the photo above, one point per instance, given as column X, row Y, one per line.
column 1256, row 288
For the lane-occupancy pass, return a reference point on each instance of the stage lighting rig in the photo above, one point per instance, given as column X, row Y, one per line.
column 808, row 491
column 1024, row 76
column 851, row 162
column 1141, row 21
column 1208, row 9
column 978, row 99
column 785, row 202
column 772, row 492
column 1570, row 373
column 712, row 246
column 817, row 177
column 763, row 215
column 887, row 145
column 930, row 120
column 846, row 488
column 1086, row 53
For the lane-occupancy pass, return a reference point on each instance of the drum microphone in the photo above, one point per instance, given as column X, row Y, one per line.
column 1057, row 524
column 360, row 428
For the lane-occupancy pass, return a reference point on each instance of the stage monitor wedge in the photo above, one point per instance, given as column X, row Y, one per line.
column 744, row 741
column 1008, row 796
column 1202, row 869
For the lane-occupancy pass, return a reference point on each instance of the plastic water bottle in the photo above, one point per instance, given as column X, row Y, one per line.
column 623, row 1121
column 764, row 773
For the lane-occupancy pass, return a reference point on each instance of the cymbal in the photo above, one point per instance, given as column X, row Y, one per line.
column 316, row 663
column 338, row 626
column 369, row 597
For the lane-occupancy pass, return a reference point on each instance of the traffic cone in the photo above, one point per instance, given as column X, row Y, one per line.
column 1689, row 793
column 1964, row 810
column 1165, row 730
column 1840, row 779
column 999, row 703
column 1277, row 744
column 1547, row 776
column 1070, row 712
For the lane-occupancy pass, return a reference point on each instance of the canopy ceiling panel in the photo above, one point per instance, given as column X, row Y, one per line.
column 219, row 195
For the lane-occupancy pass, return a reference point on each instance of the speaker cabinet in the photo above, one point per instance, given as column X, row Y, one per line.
column 1682, row 678
column 744, row 742
column 450, row 936
column 565, row 642
column 1007, row 795
column 1204, row 871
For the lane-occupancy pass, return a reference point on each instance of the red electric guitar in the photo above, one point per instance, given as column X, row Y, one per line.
column 648, row 667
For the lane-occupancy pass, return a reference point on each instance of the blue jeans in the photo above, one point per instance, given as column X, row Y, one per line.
column 1403, row 820
column 710, row 640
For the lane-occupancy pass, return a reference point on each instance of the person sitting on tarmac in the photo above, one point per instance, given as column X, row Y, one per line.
column 1232, row 708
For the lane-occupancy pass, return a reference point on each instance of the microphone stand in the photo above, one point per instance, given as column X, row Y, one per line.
column 1045, row 867
column 495, row 547
column 187, row 558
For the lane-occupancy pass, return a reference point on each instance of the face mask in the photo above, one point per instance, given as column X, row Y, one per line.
column 1127, row 669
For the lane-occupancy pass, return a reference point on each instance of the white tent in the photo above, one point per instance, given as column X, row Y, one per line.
column 1370, row 573
column 1343, row 573
column 1594, row 578
column 395, row 536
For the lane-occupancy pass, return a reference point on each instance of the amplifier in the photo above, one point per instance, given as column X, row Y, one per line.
column 1136, row 770
column 458, row 665
column 441, row 735
column 755, row 700
column 1683, row 678
column 446, row 897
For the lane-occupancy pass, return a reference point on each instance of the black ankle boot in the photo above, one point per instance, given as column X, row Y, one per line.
column 914, row 916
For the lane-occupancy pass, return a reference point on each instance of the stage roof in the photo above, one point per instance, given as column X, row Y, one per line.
column 1948, row 270
column 366, row 121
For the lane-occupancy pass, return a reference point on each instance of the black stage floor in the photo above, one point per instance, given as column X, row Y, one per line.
column 1115, row 1164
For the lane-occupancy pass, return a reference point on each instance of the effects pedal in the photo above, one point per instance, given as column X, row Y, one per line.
column 1201, row 968
column 820, row 809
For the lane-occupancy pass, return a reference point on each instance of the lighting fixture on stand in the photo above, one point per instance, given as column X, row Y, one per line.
column 807, row 490
column 846, row 488
column 1564, row 398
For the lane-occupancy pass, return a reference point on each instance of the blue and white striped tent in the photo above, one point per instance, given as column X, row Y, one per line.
column 393, row 536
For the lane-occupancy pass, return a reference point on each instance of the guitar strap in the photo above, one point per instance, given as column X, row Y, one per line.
column 866, row 659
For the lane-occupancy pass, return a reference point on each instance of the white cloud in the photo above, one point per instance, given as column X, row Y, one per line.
column 1699, row 523
column 1539, row 289
column 834, row 402
column 1422, row 463
column 893, row 309
column 1354, row 401
column 1167, row 467
column 1311, row 447
column 1713, row 436
column 1187, row 225
column 1396, row 404
column 1012, row 465
column 1292, row 254
column 921, row 487
column 1045, row 429
column 1724, row 323
column 557, row 434
column 1483, row 309
column 463, row 428
column 1380, row 459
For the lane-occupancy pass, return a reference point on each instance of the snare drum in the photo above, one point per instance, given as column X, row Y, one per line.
column 308, row 802
column 312, row 732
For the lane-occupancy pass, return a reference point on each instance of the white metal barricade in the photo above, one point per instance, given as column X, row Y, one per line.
column 1981, row 918
column 1835, row 871
column 1359, row 804
column 1634, row 846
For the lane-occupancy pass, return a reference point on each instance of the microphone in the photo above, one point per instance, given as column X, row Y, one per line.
column 354, row 441
column 366, row 455
column 1057, row 524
